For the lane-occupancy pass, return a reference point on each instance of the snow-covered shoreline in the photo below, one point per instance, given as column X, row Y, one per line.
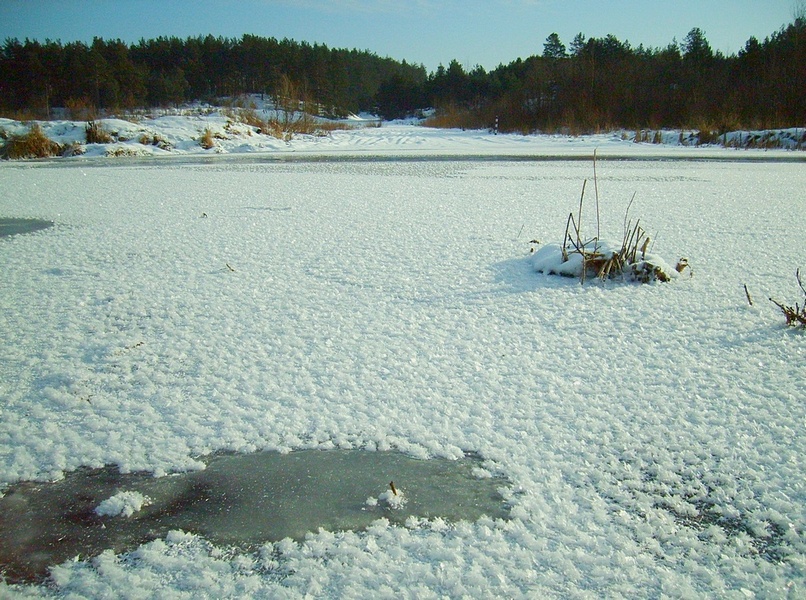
column 174, row 135
column 653, row 434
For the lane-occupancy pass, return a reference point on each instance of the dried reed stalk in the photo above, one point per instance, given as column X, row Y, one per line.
column 795, row 316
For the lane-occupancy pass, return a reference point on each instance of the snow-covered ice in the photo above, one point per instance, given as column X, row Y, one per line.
column 654, row 435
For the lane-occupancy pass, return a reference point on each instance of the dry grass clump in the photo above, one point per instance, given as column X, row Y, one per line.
column 206, row 140
column 155, row 139
column 300, row 123
column 287, row 125
column 646, row 136
column 281, row 129
column 34, row 144
column 74, row 149
column 96, row 134
column 250, row 117
column 631, row 260
column 275, row 129
column 294, row 115
column 795, row 315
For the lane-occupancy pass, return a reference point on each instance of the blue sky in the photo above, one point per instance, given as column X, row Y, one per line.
column 427, row 32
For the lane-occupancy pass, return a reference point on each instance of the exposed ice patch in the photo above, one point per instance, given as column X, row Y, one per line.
column 16, row 226
column 238, row 500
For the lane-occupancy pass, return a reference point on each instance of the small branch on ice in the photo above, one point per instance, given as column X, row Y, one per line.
column 747, row 293
column 229, row 267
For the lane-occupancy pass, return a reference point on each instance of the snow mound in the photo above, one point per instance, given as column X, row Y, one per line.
column 122, row 504
column 604, row 260
column 393, row 498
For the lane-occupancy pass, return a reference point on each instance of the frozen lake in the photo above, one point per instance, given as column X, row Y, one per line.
column 653, row 435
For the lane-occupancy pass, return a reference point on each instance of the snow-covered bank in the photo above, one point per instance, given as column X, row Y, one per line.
column 653, row 434
column 184, row 135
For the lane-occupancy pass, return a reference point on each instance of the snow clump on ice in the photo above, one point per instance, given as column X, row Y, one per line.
column 122, row 504
column 393, row 498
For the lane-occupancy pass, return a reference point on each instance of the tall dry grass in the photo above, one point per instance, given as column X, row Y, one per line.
column 206, row 140
column 33, row 144
column 456, row 117
column 96, row 134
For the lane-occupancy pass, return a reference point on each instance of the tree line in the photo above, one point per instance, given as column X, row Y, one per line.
column 603, row 83
column 110, row 74
column 593, row 84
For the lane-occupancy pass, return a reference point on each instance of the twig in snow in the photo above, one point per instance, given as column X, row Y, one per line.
column 596, row 189
column 579, row 220
column 747, row 293
column 521, row 231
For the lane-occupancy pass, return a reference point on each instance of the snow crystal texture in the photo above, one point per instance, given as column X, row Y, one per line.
column 654, row 434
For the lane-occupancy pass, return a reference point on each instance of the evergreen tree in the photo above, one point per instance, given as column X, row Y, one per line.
column 553, row 47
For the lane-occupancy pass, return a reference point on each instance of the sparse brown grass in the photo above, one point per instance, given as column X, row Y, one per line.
column 34, row 144
column 286, row 126
column 250, row 117
column 453, row 117
column 274, row 129
column 24, row 115
column 329, row 126
column 96, row 134
column 301, row 123
column 80, row 109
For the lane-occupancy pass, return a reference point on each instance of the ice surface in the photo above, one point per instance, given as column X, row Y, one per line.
column 242, row 500
column 655, row 433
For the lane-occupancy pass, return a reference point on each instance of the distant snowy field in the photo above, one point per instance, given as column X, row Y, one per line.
column 654, row 435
